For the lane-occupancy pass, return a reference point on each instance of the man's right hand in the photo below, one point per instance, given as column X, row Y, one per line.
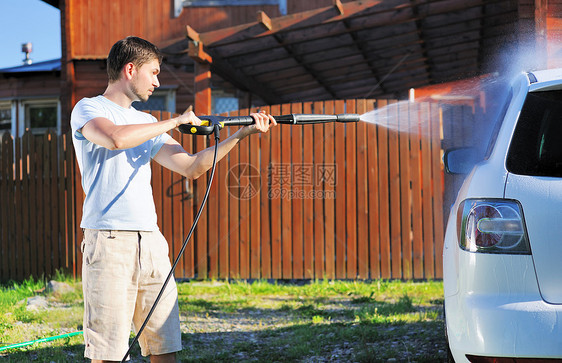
column 188, row 117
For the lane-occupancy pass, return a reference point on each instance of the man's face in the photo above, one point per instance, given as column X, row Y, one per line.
column 145, row 80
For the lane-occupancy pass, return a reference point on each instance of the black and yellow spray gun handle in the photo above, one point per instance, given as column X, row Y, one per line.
column 208, row 122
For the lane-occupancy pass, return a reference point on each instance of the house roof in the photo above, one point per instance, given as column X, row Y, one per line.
column 54, row 3
column 358, row 49
column 45, row 66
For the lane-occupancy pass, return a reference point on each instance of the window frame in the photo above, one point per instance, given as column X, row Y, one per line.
column 169, row 93
column 180, row 4
column 12, row 105
column 24, row 122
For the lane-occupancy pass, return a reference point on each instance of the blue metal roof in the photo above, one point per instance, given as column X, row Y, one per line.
column 45, row 66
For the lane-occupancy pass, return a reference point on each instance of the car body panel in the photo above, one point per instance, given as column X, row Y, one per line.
column 541, row 198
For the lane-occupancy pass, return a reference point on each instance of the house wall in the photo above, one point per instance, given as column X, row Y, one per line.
column 29, row 84
column 91, row 80
column 95, row 25
column 17, row 89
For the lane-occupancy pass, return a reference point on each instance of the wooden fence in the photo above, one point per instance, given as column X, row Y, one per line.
column 336, row 201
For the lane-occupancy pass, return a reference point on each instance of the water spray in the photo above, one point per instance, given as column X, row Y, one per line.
column 213, row 125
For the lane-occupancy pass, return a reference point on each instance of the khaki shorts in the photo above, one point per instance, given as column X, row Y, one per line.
column 122, row 273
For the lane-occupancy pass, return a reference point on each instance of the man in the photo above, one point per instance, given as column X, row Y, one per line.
column 125, row 257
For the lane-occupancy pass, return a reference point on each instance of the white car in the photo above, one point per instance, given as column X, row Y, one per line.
column 502, row 256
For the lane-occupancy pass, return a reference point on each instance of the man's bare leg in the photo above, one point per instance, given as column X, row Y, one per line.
column 163, row 358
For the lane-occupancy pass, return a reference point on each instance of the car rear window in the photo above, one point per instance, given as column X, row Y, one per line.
column 536, row 147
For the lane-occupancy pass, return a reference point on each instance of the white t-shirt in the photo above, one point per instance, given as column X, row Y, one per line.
column 116, row 183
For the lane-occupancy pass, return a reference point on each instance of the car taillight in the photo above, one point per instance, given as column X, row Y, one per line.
column 492, row 226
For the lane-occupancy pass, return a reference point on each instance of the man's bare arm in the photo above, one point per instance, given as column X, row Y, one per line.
column 103, row 132
column 172, row 155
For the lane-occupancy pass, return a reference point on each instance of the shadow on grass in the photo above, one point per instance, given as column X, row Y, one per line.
column 302, row 331
column 40, row 353
column 338, row 342
column 68, row 352
column 363, row 330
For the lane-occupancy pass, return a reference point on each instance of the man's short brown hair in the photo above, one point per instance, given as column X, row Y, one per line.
column 130, row 50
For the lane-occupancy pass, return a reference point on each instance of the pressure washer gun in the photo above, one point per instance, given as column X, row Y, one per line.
column 207, row 126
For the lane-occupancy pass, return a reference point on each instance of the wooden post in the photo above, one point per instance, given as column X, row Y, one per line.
column 541, row 34
column 203, row 63
column 202, row 88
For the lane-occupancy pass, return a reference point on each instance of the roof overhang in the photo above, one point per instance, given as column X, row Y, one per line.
column 358, row 49
column 54, row 3
column 53, row 65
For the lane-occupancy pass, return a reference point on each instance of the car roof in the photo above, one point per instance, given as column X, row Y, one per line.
column 547, row 75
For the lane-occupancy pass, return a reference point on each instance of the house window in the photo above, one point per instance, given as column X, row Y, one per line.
column 161, row 100
column 41, row 115
column 5, row 117
column 222, row 103
column 207, row 3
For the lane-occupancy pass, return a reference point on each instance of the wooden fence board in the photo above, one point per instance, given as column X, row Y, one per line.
column 351, row 193
column 384, row 190
column 318, row 213
column 47, row 199
column 286, row 188
column 223, row 227
column 54, row 205
column 373, row 198
column 254, row 215
column 438, row 188
column 18, row 213
column 266, row 250
column 298, row 171
column 26, row 207
column 79, row 195
column 340, row 158
column 394, row 187
column 188, row 207
column 244, row 205
column 200, row 234
column 330, row 180
column 362, row 196
column 427, row 202
column 234, row 223
column 309, row 197
column 274, row 186
column 61, row 187
column 11, row 216
column 405, row 194
column 213, row 221
column 60, row 191
column 6, row 182
column 29, row 143
column 71, row 223
column 415, row 173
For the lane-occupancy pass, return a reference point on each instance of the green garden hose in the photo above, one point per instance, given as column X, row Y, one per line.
column 42, row 340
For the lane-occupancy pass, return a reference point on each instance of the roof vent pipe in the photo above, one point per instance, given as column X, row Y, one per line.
column 27, row 48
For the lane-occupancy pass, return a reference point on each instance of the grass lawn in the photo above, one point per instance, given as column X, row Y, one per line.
column 377, row 321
